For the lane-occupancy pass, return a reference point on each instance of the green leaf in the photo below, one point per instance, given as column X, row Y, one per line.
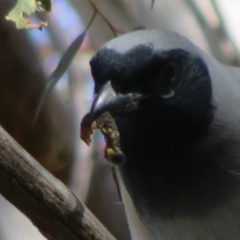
column 28, row 7
column 62, row 67
column 66, row 59
column 152, row 3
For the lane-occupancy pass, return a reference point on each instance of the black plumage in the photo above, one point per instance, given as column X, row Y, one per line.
column 181, row 140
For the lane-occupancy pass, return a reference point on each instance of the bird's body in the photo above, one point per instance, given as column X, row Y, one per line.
column 182, row 142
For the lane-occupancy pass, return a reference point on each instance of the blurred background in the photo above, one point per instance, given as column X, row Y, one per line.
column 27, row 58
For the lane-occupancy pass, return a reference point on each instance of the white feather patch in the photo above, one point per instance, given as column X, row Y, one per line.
column 137, row 229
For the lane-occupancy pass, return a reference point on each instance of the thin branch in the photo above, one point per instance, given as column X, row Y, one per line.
column 113, row 29
column 47, row 202
column 92, row 18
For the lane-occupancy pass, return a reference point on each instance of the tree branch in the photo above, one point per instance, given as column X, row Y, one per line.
column 47, row 202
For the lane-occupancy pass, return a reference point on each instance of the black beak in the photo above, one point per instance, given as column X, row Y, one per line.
column 116, row 104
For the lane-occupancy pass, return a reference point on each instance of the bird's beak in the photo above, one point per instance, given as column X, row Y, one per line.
column 116, row 104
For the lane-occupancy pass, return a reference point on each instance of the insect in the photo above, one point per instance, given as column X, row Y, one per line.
column 108, row 127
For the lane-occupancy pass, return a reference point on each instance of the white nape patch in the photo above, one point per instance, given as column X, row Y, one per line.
column 153, row 38
column 137, row 229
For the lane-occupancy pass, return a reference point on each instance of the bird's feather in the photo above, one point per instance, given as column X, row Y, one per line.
column 181, row 178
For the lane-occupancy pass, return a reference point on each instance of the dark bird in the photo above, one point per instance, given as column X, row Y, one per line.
column 177, row 111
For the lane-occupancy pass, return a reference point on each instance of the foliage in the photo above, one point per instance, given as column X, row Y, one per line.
column 28, row 7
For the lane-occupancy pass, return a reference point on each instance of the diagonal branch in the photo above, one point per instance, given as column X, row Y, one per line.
column 47, row 202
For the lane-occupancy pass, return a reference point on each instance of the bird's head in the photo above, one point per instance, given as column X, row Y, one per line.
column 156, row 86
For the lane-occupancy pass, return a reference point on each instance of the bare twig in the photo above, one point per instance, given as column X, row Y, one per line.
column 56, row 212
column 113, row 29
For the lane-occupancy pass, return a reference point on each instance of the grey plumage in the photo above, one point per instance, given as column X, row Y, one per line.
column 182, row 167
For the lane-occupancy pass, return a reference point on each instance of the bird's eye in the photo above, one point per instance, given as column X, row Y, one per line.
column 115, row 87
column 169, row 72
column 97, row 87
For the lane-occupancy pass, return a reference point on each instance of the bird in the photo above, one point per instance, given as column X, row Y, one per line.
column 177, row 111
